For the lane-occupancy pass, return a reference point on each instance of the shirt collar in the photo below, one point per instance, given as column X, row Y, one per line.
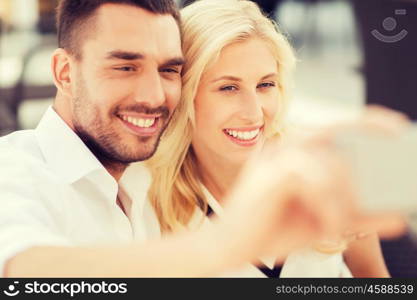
column 135, row 182
column 64, row 152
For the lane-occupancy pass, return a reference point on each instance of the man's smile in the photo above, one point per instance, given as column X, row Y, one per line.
column 141, row 125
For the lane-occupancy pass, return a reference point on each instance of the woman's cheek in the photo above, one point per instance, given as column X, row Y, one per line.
column 270, row 108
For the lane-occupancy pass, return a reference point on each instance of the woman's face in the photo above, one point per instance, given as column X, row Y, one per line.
column 237, row 99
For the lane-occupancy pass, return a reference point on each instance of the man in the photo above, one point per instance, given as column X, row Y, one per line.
column 65, row 208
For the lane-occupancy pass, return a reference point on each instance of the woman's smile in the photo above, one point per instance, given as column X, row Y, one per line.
column 246, row 137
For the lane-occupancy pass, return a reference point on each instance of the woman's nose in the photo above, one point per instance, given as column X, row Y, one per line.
column 251, row 108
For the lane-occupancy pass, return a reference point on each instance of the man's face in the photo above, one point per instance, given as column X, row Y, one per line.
column 127, row 83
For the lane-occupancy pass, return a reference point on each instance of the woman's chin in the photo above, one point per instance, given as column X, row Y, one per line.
column 243, row 154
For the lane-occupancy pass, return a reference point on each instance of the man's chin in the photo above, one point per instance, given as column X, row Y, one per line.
column 140, row 153
column 142, row 157
column 136, row 148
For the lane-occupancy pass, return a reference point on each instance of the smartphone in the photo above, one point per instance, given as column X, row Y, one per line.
column 384, row 169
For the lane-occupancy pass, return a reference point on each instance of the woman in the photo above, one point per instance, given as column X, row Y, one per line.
column 236, row 85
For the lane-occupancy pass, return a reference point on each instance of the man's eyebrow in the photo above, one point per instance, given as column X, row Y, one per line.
column 177, row 61
column 227, row 77
column 124, row 55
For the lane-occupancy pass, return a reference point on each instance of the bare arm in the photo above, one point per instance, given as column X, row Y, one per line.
column 364, row 258
column 190, row 255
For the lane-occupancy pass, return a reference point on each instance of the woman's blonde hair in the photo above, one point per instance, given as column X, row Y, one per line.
column 207, row 27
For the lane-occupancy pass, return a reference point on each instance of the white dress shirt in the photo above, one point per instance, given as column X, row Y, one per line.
column 303, row 263
column 54, row 191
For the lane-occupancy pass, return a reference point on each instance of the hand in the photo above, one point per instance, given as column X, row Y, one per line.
column 299, row 192
column 285, row 199
column 375, row 120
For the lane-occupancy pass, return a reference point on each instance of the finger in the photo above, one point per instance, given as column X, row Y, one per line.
column 387, row 225
column 374, row 120
column 384, row 120
column 387, row 112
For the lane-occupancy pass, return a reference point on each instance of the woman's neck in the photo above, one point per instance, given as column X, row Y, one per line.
column 217, row 175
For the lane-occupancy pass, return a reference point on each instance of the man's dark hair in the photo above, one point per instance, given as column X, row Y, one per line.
column 73, row 17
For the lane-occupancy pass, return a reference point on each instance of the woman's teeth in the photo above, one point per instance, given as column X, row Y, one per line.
column 243, row 135
column 139, row 122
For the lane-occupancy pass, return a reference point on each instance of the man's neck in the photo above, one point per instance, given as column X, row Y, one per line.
column 115, row 169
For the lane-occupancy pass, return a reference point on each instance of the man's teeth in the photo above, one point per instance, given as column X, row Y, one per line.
column 145, row 123
column 243, row 135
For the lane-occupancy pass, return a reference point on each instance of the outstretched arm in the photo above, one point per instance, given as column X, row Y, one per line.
column 364, row 257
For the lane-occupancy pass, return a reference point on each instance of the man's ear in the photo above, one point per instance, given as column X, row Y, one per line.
column 61, row 64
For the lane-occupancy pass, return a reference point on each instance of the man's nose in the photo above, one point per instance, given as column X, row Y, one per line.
column 150, row 89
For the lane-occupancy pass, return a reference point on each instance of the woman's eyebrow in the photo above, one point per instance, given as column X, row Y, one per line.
column 234, row 78
column 227, row 77
column 269, row 75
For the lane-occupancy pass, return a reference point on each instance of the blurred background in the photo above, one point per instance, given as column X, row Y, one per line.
column 350, row 52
